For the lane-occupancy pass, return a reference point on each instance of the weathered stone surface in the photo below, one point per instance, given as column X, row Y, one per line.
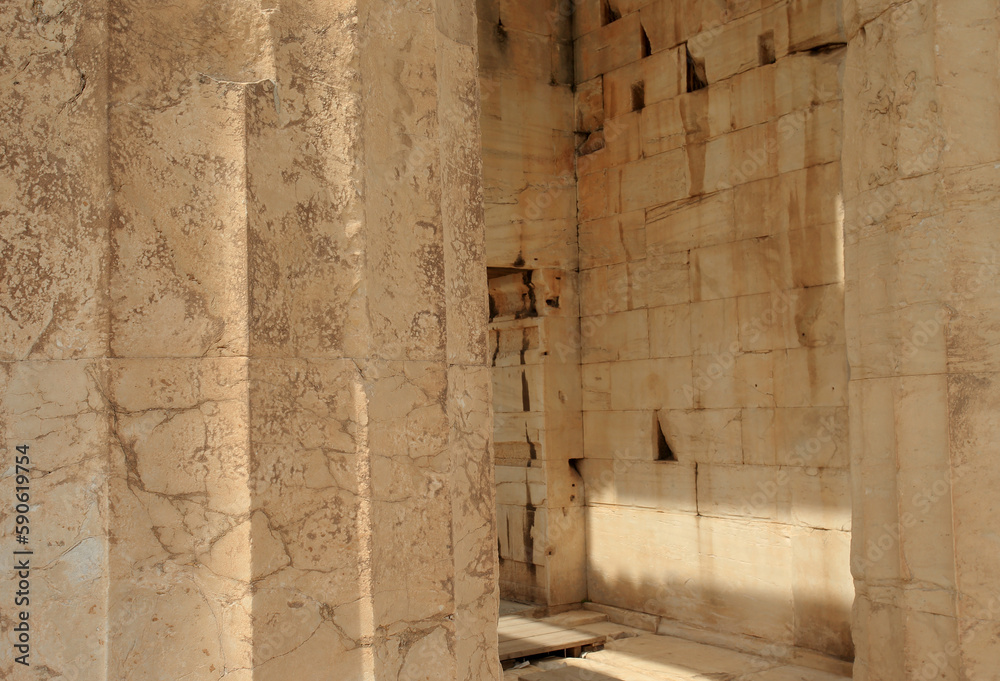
column 712, row 295
column 921, row 384
column 529, row 123
column 264, row 376
column 740, row 333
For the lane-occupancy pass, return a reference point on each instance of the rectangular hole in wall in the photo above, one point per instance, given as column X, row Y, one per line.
column 765, row 48
column 638, row 96
column 511, row 293
column 663, row 450
column 696, row 78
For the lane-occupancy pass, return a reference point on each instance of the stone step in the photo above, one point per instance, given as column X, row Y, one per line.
column 576, row 618
column 675, row 659
column 574, row 669
column 523, row 609
column 515, row 674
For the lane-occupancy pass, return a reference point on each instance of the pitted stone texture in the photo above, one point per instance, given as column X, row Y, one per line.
column 54, row 207
column 293, row 262
column 53, row 180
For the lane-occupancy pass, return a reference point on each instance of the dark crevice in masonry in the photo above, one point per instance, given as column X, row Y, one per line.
column 823, row 49
column 575, row 465
column 525, row 397
column 647, row 48
column 496, row 272
column 663, row 450
column 529, row 542
column 532, row 450
column 590, row 142
column 765, row 48
column 525, row 343
column 496, row 350
column 530, row 308
column 638, row 96
column 608, row 14
column 501, row 32
column 696, row 78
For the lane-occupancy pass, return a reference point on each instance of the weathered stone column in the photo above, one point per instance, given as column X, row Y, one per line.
column 285, row 413
column 922, row 194
column 54, row 208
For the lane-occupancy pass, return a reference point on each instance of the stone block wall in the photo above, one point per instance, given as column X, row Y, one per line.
column 712, row 334
column 243, row 332
column 531, row 249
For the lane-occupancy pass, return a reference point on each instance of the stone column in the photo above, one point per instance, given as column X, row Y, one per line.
column 922, row 193
column 54, row 207
column 292, row 375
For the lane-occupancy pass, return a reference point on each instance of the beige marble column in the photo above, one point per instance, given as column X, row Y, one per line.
column 922, row 192
column 54, row 209
column 180, row 599
column 259, row 262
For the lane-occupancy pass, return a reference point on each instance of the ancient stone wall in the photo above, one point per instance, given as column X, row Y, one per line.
column 530, row 205
column 713, row 349
column 244, row 353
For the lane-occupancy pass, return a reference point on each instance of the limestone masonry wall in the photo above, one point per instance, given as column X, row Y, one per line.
column 708, row 224
column 250, row 248
column 530, row 204
column 712, row 301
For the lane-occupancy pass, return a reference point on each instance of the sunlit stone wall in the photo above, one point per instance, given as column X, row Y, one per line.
column 715, row 466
